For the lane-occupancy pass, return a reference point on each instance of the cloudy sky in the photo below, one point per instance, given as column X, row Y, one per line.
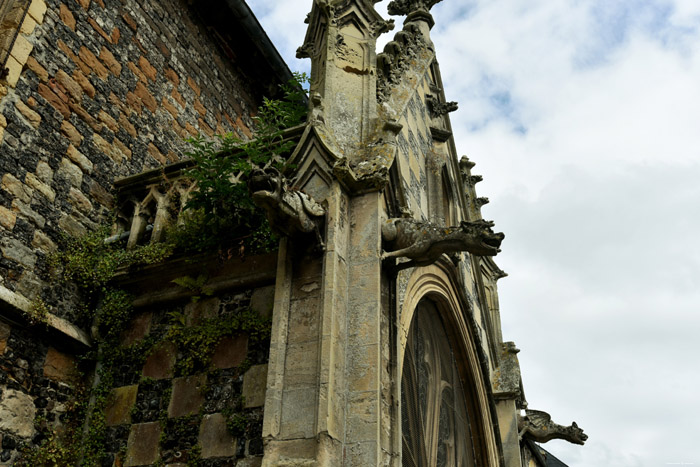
column 583, row 116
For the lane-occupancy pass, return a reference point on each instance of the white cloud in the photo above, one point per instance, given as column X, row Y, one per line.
column 598, row 197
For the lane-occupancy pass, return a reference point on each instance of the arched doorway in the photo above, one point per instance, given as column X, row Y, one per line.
column 435, row 424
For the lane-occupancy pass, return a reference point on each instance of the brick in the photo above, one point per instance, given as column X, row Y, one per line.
column 71, row 133
column 147, row 68
column 126, row 125
column 172, row 76
column 178, row 97
column 59, row 366
column 39, row 70
column 54, row 100
column 156, row 154
column 194, row 86
column 99, row 30
column 142, row 445
column 129, row 20
column 21, row 49
column 79, row 201
column 116, row 35
column 119, row 404
column 199, row 107
column 66, row 16
column 134, row 102
column 28, row 26
column 70, row 85
column 165, row 103
column 92, row 62
column 37, row 10
column 16, row 188
column 84, row 83
column 110, row 62
column 58, row 89
column 146, row 97
column 32, row 117
column 107, row 119
column 137, row 71
column 32, row 181
column 7, row 218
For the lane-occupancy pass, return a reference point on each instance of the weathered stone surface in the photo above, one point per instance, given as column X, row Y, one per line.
column 138, row 329
column 160, row 363
column 230, row 352
column 187, row 396
column 7, row 218
column 16, row 251
column 16, row 188
column 214, row 437
column 142, row 446
column 17, row 412
column 4, row 334
column 201, row 310
column 71, row 172
column 59, row 366
column 254, row 386
column 76, row 156
column 263, row 301
column 40, row 186
column 119, row 404
column 43, row 242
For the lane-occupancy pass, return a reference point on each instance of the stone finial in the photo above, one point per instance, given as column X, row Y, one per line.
column 414, row 10
column 538, row 426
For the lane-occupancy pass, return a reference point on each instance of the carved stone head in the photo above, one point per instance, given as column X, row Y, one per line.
column 487, row 242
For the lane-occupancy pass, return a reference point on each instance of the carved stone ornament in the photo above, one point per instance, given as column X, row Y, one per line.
column 406, row 7
column 289, row 211
column 539, row 427
column 437, row 108
column 424, row 242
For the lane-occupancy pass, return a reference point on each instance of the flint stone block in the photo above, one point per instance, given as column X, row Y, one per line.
column 17, row 412
column 142, row 446
column 187, row 396
column 214, row 437
column 160, row 363
column 254, row 386
column 121, row 401
column 230, row 352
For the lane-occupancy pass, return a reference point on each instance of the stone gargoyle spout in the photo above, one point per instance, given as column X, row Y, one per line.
column 539, row 427
column 289, row 211
column 424, row 242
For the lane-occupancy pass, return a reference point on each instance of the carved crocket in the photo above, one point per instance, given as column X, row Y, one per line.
column 538, row 426
column 424, row 243
column 288, row 211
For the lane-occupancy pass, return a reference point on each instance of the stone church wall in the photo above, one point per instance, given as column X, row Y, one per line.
column 98, row 90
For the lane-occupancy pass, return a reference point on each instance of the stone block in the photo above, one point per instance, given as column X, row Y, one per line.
column 32, row 181
column 142, row 446
column 160, row 363
column 119, row 404
column 187, row 396
column 78, row 157
column 66, row 16
column 214, row 437
column 254, row 386
column 16, row 188
column 71, row 226
column 72, row 134
column 14, row 70
column 196, row 312
column 16, row 251
column 299, row 413
column 301, row 364
column 71, row 86
column 25, row 210
column 7, row 218
column 37, row 10
column 71, row 172
column 79, row 200
column 147, row 68
column 44, row 172
column 263, row 301
column 84, row 82
column 92, row 63
column 138, row 329
column 230, row 352
column 363, row 367
column 28, row 26
column 110, row 61
column 304, row 319
column 32, row 117
column 21, row 49
column 59, row 366
column 54, row 100
column 17, row 412
column 43, row 242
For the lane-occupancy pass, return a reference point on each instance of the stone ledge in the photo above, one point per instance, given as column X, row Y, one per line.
column 14, row 309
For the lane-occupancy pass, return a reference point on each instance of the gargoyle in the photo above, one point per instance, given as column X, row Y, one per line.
column 404, row 7
column 538, row 426
column 288, row 211
column 424, row 243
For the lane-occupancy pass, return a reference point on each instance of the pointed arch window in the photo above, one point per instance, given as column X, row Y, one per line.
column 435, row 425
